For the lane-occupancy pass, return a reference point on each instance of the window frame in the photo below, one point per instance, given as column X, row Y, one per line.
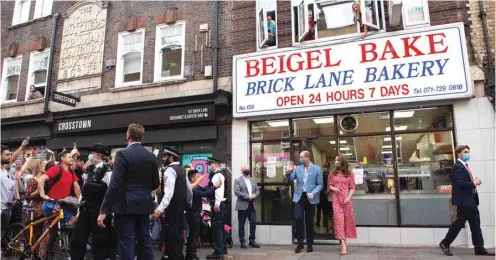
column 393, row 134
column 350, row 37
column 158, row 52
column 43, row 8
column 266, row 33
column 5, row 78
column 119, row 74
column 31, row 72
column 426, row 22
column 20, row 14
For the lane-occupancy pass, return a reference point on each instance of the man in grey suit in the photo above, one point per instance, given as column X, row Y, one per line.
column 246, row 189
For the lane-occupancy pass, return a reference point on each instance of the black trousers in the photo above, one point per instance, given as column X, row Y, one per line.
column 193, row 218
column 463, row 215
column 174, row 236
column 323, row 208
column 103, row 241
column 251, row 215
column 304, row 213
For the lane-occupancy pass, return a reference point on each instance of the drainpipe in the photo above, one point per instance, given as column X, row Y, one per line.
column 50, row 63
column 490, row 81
column 215, row 32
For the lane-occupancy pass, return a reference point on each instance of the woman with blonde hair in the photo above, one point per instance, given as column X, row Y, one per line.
column 342, row 183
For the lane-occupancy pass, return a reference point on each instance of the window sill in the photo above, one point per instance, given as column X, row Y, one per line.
column 23, row 103
column 19, row 25
column 339, row 39
column 147, row 85
column 267, row 48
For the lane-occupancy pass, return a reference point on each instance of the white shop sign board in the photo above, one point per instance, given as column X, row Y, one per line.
column 415, row 65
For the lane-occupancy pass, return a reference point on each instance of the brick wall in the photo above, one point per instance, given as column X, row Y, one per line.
column 148, row 15
column 476, row 29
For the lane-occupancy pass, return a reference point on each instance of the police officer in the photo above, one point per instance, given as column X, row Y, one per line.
column 218, row 205
column 177, row 197
column 104, row 241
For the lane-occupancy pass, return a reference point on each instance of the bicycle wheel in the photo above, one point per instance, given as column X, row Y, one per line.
column 61, row 250
column 18, row 246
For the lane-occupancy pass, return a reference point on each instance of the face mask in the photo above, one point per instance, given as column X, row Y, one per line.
column 302, row 161
column 246, row 172
column 91, row 159
column 326, row 169
column 466, row 157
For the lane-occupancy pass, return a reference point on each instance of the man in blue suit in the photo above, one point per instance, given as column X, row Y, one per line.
column 309, row 183
column 128, row 197
column 465, row 197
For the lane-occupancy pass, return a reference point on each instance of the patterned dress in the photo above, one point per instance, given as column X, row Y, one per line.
column 344, row 220
column 36, row 204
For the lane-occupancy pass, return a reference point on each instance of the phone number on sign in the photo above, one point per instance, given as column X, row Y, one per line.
column 437, row 89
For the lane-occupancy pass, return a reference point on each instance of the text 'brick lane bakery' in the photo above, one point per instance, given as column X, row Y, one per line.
column 386, row 103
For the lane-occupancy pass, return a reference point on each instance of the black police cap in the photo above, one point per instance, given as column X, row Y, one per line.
column 100, row 148
column 171, row 151
column 213, row 160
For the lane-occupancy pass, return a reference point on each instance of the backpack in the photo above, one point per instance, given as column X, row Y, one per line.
column 50, row 183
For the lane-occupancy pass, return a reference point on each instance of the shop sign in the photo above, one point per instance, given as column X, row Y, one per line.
column 406, row 66
column 65, row 99
column 172, row 115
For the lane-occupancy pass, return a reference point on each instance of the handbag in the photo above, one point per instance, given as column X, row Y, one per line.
column 330, row 195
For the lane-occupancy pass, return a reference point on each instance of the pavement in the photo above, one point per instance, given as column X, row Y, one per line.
column 331, row 252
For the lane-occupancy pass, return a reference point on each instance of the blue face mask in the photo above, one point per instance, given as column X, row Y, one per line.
column 246, row 172
column 91, row 159
column 466, row 157
column 302, row 161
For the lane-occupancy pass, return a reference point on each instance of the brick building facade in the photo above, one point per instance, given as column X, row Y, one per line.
column 91, row 75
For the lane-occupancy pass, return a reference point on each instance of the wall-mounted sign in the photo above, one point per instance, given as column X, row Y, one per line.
column 65, row 99
column 172, row 115
column 83, row 39
column 386, row 68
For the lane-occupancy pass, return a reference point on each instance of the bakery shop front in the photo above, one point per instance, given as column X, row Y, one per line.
column 386, row 103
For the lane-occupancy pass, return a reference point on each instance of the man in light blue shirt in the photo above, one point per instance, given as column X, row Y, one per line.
column 271, row 27
column 309, row 183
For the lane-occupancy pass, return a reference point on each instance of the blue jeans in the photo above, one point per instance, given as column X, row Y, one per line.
column 48, row 210
column 218, row 231
column 251, row 215
column 134, row 231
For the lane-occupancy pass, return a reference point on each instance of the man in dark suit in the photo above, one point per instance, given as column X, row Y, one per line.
column 465, row 197
column 134, row 177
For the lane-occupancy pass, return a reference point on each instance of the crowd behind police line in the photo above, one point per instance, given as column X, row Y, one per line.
column 119, row 199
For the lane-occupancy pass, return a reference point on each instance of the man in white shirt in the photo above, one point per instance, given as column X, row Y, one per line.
column 246, row 189
column 218, row 210
column 177, row 197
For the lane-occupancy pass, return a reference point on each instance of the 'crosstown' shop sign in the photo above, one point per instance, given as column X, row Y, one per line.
column 407, row 66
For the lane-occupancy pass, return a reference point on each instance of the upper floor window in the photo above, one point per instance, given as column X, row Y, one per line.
column 21, row 11
column 335, row 19
column 416, row 13
column 43, row 8
column 169, row 51
column 130, row 58
column 10, row 79
column 266, row 24
column 37, row 75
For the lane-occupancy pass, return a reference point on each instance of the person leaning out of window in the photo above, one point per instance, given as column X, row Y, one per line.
column 33, row 93
column 358, row 19
column 342, row 184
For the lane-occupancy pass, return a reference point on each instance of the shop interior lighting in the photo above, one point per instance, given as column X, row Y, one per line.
column 390, row 152
column 388, row 139
column 344, row 148
column 278, row 123
column 332, row 142
column 342, row 141
column 387, row 146
column 397, row 128
column 398, row 114
column 348, row 154
column 324, row 120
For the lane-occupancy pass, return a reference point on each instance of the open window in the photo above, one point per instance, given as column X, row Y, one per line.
column 416, row 13
column 10, row 78
column 130, row 58
column 336, row 19
column 266, row 24
column 37, row 75
column 169, row 51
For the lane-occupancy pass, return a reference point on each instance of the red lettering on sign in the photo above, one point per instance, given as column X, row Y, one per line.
column 290, row 100
column 433, row 43
column 268, row 63
column 250, row 66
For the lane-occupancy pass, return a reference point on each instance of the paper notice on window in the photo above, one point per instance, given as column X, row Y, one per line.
column 358, row 176
column 271, row 167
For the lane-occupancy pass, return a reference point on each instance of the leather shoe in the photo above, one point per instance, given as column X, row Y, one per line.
column 485, row 252
column 254, row 245
column 446, row 250
column 298, row 249
column 309, row 248
column 243, row 245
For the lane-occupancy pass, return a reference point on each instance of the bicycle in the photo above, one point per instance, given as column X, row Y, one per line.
column 20, row 244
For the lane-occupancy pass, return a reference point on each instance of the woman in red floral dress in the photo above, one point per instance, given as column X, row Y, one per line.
column 342, row 184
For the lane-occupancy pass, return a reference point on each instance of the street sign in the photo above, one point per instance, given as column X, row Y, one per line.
column 65, row 99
